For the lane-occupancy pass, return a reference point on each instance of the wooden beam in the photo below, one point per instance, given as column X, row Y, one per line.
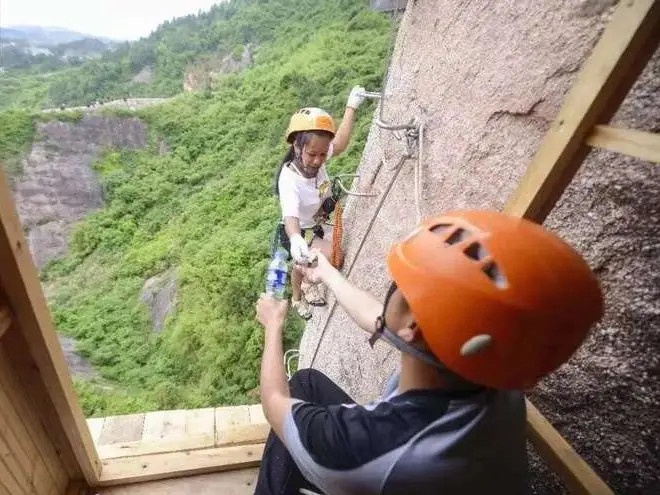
column 642, row 145
column 627, row 43
column 164, row 446
column 5, row 319
column 79, row 488
column 178, row 464
column 560, row 456
column 60, row 408
column 240, row 482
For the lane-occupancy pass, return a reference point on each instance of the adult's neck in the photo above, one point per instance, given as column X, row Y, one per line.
column 418, row 375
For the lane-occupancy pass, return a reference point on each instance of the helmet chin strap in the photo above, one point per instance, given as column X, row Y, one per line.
column 382, row 331
column 296, row 163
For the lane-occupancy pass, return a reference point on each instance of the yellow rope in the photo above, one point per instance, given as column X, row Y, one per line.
column 337, row 258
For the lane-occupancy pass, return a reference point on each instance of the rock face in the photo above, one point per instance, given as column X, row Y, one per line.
column 201, row 74
column 58, row 186
column 487, row 81
column 388, row 5
column 79, row 367
column 159, row 294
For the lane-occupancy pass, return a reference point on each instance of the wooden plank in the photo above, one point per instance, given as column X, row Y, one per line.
column 15, row 359
column 560, row 456
column 173, row 425
column 257, row 414
column 177, row 464
column 30, row 472
column 239, row 482
column 125, row 428
column 5, row 319
column 229, row 416
column 142, row 447
column 246, row 434
column 49, row 381
column 200, row 421
column 623, row 50
column 12, row 476
column 25, row 435
column 242, row 434
column 642, row 145
column 79, row 488
column 95, row 426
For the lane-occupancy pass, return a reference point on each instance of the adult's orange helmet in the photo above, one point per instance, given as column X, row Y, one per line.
column 500, row 300
column 310, row 119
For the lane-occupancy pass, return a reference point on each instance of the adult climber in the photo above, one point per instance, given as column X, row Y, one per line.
column 304, row 188
column 481, row 307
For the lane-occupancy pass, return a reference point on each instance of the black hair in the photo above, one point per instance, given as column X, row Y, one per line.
column 300, row 139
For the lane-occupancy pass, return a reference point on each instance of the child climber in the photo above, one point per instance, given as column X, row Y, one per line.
column 304, row 188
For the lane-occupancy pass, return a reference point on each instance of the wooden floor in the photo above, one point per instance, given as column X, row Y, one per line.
column 138, row 451
column 229, row 483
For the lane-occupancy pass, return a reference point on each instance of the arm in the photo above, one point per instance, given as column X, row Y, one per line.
column 360, row 305
column 276, row 400
column 345, row 131
column 291, row 226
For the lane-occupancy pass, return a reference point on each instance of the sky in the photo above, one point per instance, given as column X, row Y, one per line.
column 117, row 19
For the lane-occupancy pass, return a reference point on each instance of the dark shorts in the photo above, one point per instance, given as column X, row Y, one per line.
column 281, row 239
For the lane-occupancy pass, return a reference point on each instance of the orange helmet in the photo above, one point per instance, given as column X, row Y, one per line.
column 499, row 300
column 310, row 119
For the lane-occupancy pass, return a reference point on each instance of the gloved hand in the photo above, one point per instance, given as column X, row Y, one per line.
column 299, row 249
column 356, row 97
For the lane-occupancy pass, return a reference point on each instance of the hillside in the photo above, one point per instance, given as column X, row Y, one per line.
column 199, row 218
column 30, row 50
column 177, row 45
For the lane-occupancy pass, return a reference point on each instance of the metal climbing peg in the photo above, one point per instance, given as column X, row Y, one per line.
column 370, row 94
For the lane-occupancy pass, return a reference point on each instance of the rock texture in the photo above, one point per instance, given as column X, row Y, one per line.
column 203, row 72
column 79, row 367
column 159, row 294
column 58, row 186
column 487, row 78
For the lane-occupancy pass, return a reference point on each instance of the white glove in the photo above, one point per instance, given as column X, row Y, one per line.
column 299, row 249
column 356, row 97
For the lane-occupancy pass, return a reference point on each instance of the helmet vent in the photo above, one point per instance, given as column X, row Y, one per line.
column 457, row 236
column 493, row 272
column 476, row 251
column 441, row 228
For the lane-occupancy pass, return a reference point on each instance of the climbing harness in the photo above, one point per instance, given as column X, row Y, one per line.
column 289, row 356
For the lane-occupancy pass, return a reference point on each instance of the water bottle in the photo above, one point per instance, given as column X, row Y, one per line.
column 277, row 273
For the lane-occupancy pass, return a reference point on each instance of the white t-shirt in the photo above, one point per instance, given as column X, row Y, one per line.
column 300, row 197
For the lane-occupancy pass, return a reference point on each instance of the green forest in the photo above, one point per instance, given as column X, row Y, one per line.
column 204, row 210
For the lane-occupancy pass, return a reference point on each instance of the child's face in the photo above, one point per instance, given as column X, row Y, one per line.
column 313, row 155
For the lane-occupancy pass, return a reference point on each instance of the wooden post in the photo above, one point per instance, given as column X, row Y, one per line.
column 38, row 357
column 576, row 474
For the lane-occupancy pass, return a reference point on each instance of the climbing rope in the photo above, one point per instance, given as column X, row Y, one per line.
column 381, row 202
column 337, row 258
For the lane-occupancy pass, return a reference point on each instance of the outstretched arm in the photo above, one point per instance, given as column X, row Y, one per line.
column 345, row 131
column 360, row 305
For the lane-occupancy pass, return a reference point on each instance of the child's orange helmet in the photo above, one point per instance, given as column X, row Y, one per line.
column 500, row 300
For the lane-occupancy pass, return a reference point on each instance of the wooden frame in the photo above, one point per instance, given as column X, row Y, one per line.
column 642, row 145
column 622, row 52
column 36, row 354
column 627, row 44
column 5, row 319
column 26, row 327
